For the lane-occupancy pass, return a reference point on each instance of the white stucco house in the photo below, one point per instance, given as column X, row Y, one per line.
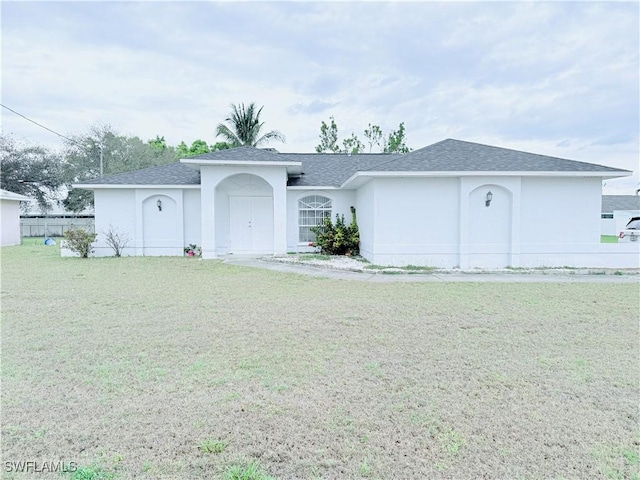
column 450, row 204
column 10, row 217
column 617, row 210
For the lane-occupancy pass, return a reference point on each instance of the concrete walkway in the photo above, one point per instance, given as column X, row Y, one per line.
column 546, row 276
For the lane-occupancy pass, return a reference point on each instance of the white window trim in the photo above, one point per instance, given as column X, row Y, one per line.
column 306, row 195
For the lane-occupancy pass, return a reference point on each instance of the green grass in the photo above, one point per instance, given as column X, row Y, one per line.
column 247, row 471
column 213, row 446
column 405, row 269
column 91, row 472
column 608, row 239
column 126, row 366
column 365, row 469
column 314, row 256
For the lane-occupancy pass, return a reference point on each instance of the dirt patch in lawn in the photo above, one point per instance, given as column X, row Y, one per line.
column 182, row 368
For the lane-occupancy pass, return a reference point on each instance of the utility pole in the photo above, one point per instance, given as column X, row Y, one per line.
column 101, row 159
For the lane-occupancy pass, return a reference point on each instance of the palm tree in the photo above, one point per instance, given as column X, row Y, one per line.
column 243, row 127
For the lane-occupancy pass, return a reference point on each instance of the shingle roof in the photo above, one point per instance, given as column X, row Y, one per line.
column 171, row 174
column 620, row 202
column 322, row 169
column 243, row 154
column 459, row 156
column 332, row 169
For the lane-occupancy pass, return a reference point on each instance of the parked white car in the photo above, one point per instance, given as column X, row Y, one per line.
column 631, row 231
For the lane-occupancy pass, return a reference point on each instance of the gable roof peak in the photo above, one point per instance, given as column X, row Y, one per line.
column 244, row 153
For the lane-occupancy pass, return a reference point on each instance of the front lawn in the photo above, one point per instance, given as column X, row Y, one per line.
column 184, row 368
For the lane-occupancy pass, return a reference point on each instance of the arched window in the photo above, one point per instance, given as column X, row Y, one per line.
column 312, row 210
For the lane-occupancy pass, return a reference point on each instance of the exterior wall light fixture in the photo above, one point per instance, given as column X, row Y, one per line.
column 487, row 200
column 159, row 204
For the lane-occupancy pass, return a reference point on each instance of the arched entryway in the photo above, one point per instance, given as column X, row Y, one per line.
column 244, row 215
column 490, row 220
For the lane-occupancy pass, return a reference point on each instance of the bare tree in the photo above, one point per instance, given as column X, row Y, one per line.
column 116, row 239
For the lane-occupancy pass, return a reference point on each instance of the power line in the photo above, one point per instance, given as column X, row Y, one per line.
column 60, row 135
column 39, row 124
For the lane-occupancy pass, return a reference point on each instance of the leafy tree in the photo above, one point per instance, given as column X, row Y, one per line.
column 78, row 199
column 328, row 137
column 199, row 147
column 396, row 142
column 244, row 127
column 183, row 150
column 221, row 146
column 158, row 143
column 374, row 135
column 32, row 171
column 352, row 145
column 119, row 153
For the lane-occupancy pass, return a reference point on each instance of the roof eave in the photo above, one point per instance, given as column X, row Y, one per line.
column 278, row 163
column 98, row 186
column 293, row 168
column 313, row 187
column 357, row 178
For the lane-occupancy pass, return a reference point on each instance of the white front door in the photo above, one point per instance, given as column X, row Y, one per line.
column 251, row 224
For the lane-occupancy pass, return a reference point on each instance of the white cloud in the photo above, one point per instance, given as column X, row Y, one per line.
column 557, row 78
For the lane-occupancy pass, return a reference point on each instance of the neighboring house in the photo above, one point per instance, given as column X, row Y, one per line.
column 451, row 204
column 10, row 215
column 617, row 210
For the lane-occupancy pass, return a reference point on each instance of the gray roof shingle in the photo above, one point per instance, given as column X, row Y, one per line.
column 243, row 154
column 459, row 156
column 332, row 170
column 620, row 202
column 171, row 174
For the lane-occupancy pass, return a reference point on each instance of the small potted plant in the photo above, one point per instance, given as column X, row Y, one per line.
column 192, row 250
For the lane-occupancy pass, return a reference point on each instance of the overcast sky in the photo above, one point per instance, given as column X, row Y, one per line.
column 557, row 78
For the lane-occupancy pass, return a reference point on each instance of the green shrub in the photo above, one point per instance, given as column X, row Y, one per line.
column 80, row 241
column 338, row 238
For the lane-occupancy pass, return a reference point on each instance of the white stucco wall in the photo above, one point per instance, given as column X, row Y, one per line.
column 568, row 209
column 161, row 229
column 237, row 185
column 415, row 221
column 560, row 217
column 440, row 222
column 608, row 226
column 10, row 222
column 191, row 202
column 134, row 212
column 365, row 211
column 489, row 234
column 445, row 222
column 341, row 203
column 117, row 208
column 213, row 176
